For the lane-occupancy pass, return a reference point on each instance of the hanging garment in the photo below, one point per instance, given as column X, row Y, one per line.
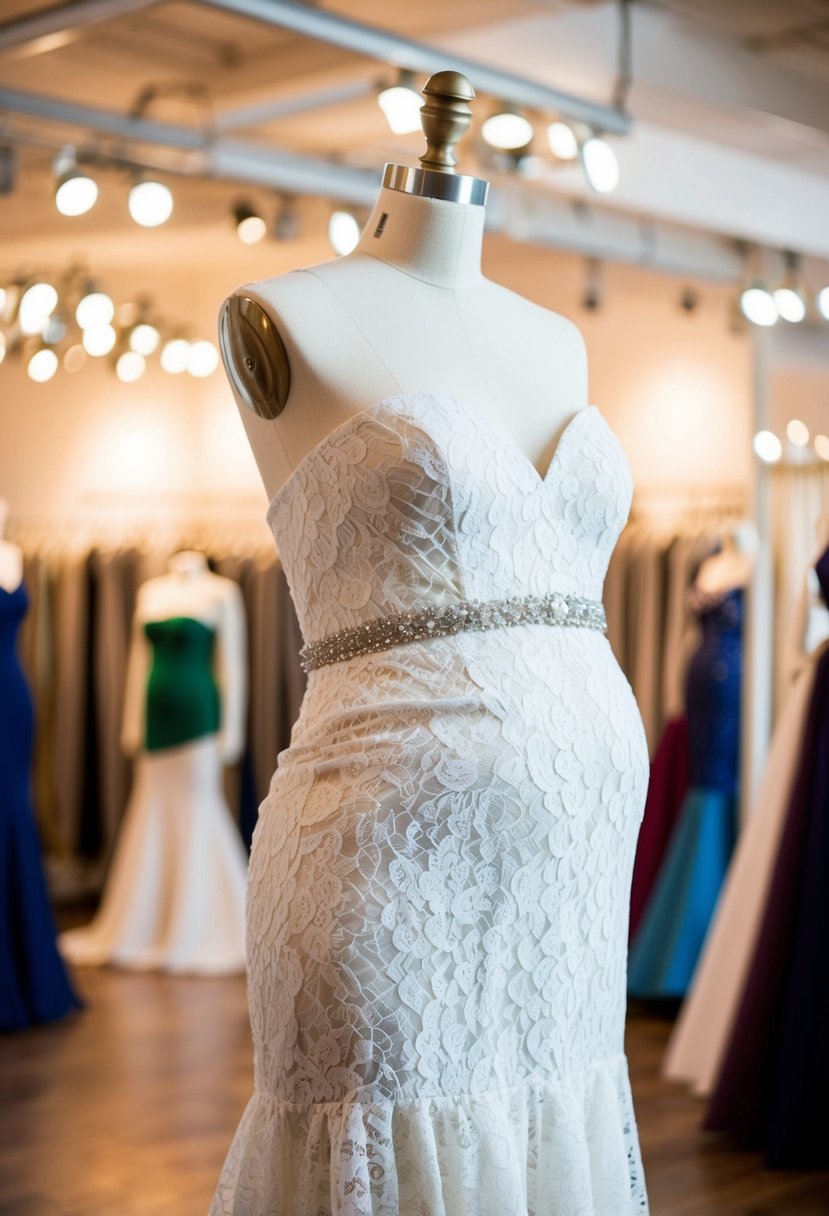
column 174, row 896
column 772, row 1091
column 673, row 927
column 440, row 876
column 34, row 986
column 668, row 786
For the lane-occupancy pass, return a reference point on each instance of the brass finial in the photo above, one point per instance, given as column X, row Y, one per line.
column 445, row 117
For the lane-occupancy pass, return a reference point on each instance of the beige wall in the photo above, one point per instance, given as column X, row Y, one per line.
column 676, row 388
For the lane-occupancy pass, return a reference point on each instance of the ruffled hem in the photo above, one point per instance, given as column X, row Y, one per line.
column 565, row 1146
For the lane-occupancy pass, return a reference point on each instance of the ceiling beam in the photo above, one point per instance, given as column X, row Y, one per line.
column 56, row 26
column 389, row 47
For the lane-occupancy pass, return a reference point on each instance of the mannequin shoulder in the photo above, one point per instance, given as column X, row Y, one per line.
column 558, row 334
column 262, row 326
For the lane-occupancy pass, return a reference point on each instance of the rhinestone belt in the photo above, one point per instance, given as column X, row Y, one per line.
column 462, row 617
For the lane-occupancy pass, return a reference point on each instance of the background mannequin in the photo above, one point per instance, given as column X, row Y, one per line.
column 34, row 986
column 174, row 897
column 733, row 564
column 11, row 556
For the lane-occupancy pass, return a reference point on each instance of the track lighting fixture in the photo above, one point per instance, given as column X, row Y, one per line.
column 75, row 191
column 822, row 446
column 507, row 131
column 95, row 308
column 562, row 141
column 401, row 103
column 202, row 359
column 150, row 203
column 823, row 303
column 130, row 366
column 42, row 365
column 797, row 433
column 343, row 231
column 286, row 224
column 757, row 304
column 99, row 340
column 37, row 303
column 250, row 227
column 767, row 447
column 143, row 338
column 789, row 297
column 601, row 168
column 175, row 355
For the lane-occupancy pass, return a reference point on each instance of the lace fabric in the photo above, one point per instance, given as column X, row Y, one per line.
column 439, row 884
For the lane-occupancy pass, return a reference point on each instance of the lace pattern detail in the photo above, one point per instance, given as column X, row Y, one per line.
column 439, row 884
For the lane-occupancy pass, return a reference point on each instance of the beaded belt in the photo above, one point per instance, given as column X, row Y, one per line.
column 462, row 617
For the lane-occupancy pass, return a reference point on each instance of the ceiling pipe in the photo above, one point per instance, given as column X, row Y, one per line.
column 56, row 26
column 388, row 47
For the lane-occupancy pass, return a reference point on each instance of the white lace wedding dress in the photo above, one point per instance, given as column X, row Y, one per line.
column 438, row 890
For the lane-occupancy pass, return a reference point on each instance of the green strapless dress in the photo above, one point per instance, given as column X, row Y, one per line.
column 182, row 694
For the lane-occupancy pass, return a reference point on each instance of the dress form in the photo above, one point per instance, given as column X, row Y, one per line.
column 732, row 565
column 190, row 589
column 11, row 556
column 409, row 311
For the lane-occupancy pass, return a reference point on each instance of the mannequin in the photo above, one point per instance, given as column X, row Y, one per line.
column 408, row 311
column 733, row 564
column 174, row 897
column 34, row 986
column 11, row 556
column 440, row 872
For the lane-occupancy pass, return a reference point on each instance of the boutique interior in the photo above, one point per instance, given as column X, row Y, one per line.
column 659, row 176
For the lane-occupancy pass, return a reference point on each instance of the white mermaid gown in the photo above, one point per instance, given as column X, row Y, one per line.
column 439, row 886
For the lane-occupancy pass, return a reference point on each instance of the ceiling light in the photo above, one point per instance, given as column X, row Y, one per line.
column 790, row 304
column 562, row 141
column 250, row 227
column 203, row 359
column 789, row 296
column 401, row 104
column 95, row 308
column 822, row 446
column 343, row 232
column 130, row 366
column 757, row 305
column 42, row 365
column 823, row 302
column 175, row 356
column 99, row 340
column 798, row 433
column 74, row 358
column 36, row 306
column 76, row 192
column 507, row 131
column 767, row 446
column 150, row 203
column 601, row 168
column 144, row 338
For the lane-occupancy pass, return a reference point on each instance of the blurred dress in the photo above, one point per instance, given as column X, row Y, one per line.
column 34, row 986
column 772, row 1091
column 696, row 1047
column 674, row 924
column 174, row 897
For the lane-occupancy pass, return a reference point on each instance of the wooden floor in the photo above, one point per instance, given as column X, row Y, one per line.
column 128, row 1110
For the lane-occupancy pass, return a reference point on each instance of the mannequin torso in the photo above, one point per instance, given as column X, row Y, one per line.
column 410, row 311
column 11, row 556
column 733, row 565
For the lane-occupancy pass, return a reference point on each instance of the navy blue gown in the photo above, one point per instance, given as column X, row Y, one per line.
column 669, row 940
column 34, row 986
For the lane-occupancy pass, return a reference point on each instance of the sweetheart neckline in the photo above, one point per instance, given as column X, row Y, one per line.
column 498, row 433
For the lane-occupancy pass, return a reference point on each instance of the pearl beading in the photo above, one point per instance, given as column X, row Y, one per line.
column 464, row 616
